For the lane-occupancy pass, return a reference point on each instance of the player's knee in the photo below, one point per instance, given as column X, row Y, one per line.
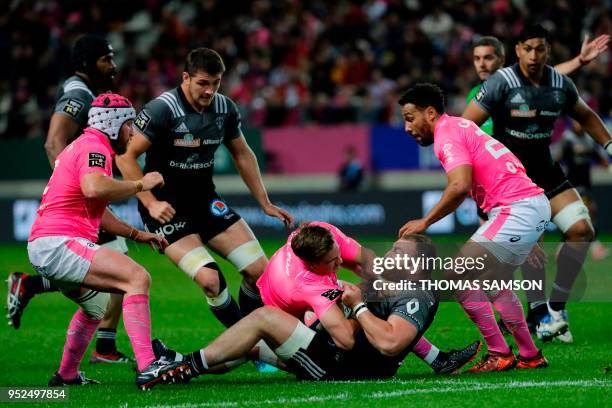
column 581, row 231
column 140, row 280
column 194, row 261
column 209, row 279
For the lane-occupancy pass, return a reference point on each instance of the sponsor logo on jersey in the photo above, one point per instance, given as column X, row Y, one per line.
column 182, row 128
column 523, row 112
column 218, row 208
column 187, row 141
column 449, row 157
column 73, row 107
column 219, row 121
column 190, row 165
column 550, row 113
column 97, row 160
column 142, row 121
column 332, row 294
column 523, row 135
column 518, row 98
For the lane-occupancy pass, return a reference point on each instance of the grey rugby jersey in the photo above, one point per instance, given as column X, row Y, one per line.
column 183, row 140
column 74, row 100
column 523, row 114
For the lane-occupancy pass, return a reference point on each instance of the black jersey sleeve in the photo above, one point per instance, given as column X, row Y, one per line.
column 234, row 122
column 415, row 308
column 492, row 93
column 75, row 104
column 571, row 94
column 154, row 119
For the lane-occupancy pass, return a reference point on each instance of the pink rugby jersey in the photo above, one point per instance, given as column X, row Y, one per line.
column 498, row 176
column 64, row 210
column 289, row 285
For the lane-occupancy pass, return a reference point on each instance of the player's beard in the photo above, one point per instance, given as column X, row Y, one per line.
column 104, row 83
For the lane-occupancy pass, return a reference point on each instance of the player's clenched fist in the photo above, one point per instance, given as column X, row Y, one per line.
column 352, row 295
column 161, row 211
column 152, row 180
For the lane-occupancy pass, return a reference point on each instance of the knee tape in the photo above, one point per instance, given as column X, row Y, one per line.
column 94, row 303
column 245, row 254
column 300, row 338
column 223, row 298
column 193, row 260
column 571, row 214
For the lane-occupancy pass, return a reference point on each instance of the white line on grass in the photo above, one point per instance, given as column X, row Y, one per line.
column 465, row 387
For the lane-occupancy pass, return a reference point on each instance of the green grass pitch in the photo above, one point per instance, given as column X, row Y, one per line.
column 579, row 374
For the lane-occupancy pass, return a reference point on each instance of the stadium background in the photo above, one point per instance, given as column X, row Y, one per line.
column 311, row 78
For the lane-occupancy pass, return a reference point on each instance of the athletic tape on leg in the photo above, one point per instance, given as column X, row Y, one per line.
column 571, row 214
column 265, row 353
column 299, row 339
column 193, row 260
column 245, row 254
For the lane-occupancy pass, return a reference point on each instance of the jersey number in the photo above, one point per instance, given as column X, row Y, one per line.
column 496, row 148
column 412, row 306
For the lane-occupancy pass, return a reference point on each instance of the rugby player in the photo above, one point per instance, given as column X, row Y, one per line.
column 301, row 277
column 61, row 244
column 488, row 56
column 180, row 131
column 518, row 210
column 95, row 69
column 391, row 322
column 524, row 101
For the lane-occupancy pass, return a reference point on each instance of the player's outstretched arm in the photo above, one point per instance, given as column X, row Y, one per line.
column 457, row 189
column 112, row 224
column 390, row 337
column 592, row 124
column 246, row 164
column 61, row 129
column 128, row 165
column 100, row 186
column 589, row 51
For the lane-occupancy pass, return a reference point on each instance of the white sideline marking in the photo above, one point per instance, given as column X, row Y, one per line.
column 465, row 387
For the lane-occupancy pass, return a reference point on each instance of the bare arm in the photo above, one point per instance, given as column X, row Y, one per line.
column 591, row 123
column 390, row 336
column 475, row 113
column 588, row 52
column 339, row 327
column 246, row 163
column 112, row 224
column 100, row 186
column 61, row 129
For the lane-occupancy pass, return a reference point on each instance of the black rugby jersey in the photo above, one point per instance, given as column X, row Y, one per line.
column 74, row 100
column 184, row 141
column 524, row 114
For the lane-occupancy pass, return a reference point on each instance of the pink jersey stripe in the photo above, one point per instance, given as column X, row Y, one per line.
column 497, row 223
column 80, row 249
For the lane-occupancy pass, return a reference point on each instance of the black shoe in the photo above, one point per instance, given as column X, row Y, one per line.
column 162, row 371
column 162, row 351
column 451, row 361
column 534, row 316
column 17, row 298
column 80, row 379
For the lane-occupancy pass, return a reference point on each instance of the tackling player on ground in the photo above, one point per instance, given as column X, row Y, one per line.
column 61, row 243
column 524, row 101
column 95, row 69
column 480, row 166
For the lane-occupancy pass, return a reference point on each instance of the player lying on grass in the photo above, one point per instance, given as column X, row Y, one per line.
column 61, row 244
column 301, row 277
column 390, row 323
column 518, row 212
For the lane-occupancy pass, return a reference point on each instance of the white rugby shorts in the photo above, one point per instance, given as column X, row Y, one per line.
column 512, row 230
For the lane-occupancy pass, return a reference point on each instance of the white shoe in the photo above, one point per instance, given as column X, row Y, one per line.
column 566, row 337
column 552, row 325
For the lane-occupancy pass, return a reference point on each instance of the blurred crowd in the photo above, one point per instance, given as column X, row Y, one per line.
column 289, row 62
